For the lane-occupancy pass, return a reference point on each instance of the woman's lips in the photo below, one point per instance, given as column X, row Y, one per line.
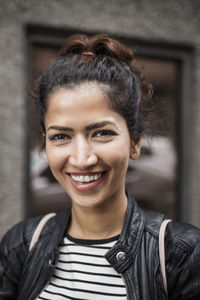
column 85, row 186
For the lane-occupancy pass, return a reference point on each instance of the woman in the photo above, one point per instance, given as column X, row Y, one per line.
column 91, row 105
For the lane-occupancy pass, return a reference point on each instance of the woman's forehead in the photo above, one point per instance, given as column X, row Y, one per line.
column 80, row 107
column 85, row 96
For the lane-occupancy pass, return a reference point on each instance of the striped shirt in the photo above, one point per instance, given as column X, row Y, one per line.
column 83, row 273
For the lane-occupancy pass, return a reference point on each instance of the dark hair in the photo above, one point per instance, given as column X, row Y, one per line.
column 103, row 60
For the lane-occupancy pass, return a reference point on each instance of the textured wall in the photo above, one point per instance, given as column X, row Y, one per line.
column 175, row 21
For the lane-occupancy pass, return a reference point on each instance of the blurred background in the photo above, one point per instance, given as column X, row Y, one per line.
column 164, row 36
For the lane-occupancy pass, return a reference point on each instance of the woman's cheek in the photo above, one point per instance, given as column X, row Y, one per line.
column 114, row 157
column 56, row 157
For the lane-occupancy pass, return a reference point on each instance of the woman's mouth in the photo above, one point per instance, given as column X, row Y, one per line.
column 86, row 182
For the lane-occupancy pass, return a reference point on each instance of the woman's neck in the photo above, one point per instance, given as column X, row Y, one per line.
column 98, row 223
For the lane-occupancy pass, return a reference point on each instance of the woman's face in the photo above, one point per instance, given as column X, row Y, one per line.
column 87, row 144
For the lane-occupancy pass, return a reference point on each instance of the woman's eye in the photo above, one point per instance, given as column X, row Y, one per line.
column 59, row 137
column 104, row 133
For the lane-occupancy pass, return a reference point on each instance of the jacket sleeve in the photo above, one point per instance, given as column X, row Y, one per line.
column 187, row 280
column 12, row 254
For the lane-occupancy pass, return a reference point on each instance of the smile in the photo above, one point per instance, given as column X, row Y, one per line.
column 86, row 178
column 86, row 182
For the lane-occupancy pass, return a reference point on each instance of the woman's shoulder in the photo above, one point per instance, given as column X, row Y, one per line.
column 182, row 257
column 20, row 233
column 182, row 235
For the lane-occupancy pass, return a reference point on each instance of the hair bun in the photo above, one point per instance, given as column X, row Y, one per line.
column 95, row 46
column 98, row 45
column 75, row 44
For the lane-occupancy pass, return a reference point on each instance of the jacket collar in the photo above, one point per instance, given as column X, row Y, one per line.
column 128, row 242
column 122, row 254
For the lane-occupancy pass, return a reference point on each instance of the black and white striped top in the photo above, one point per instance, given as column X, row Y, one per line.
column 83, row 273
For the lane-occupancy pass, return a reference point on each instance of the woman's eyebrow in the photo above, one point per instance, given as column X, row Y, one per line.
column 60, row 128
column 89, row 127
column 98, row 125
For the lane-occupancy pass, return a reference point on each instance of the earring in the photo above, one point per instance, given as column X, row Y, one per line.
column 133, row 155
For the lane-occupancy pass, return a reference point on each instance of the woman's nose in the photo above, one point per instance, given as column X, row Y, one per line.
column 82, row 156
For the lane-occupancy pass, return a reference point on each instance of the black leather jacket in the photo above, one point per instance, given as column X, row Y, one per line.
column 23, row 275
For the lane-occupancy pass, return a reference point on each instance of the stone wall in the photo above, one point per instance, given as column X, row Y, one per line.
column 169, row 21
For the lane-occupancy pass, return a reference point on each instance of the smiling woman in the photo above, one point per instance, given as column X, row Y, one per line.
column 92, row 104
column 88, row 147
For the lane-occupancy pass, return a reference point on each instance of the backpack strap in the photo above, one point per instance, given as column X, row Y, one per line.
column 162, row 251
column 39, row 228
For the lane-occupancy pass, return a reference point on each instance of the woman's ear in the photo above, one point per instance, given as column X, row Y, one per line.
column 135, row 148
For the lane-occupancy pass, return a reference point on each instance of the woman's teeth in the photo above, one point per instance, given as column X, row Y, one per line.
column 87, row 178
